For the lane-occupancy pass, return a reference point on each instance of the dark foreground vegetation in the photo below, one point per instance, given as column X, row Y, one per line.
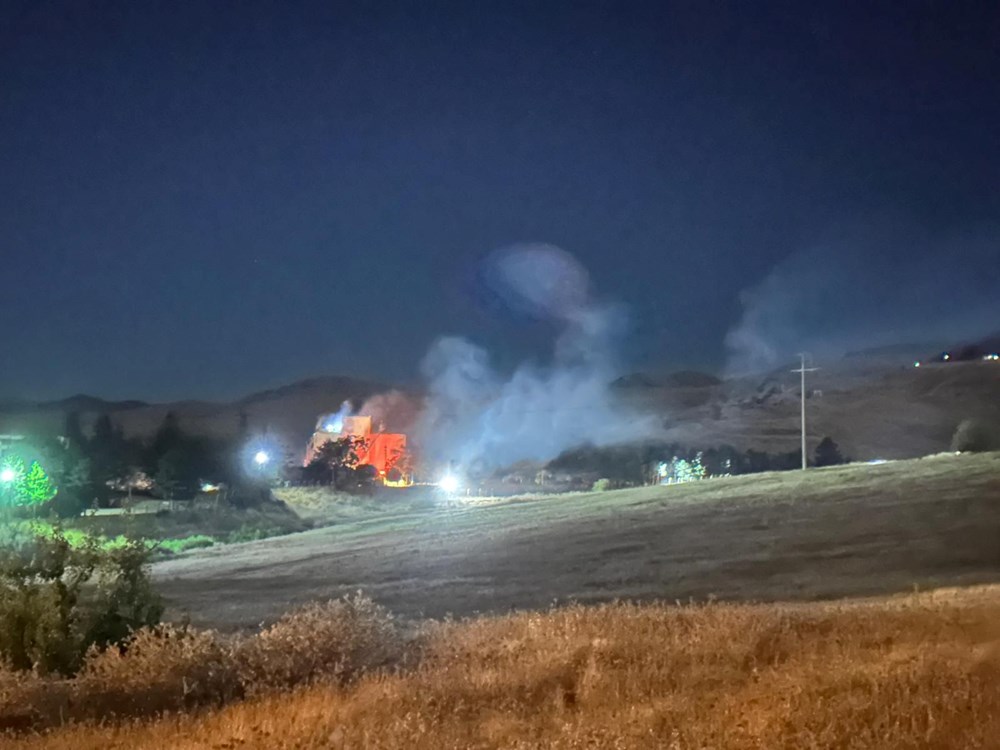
column 917, row 672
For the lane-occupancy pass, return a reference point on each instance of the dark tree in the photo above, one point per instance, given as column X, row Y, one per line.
column 177, row 473
column 337, row 462
column 828, row 453
column 108, row 452
column 168, row 437
column 73, row 432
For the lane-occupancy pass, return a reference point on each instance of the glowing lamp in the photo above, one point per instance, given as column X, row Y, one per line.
column 7, row 475
column 449, row 483
column 260, row 458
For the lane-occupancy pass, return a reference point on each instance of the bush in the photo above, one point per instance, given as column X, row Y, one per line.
column 165, row 668
column 195, row 541
column 67, row 504
column 335, row 640
column 251, row 533
column 975, row 436
column 602, row 485
column 46, row 624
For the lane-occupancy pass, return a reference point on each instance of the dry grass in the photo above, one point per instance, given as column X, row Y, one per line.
column 169, row 668
column 917, row 672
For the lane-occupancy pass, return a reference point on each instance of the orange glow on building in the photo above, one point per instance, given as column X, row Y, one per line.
column 384, row 451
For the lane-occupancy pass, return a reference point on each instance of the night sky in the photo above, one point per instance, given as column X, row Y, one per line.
column 202, row 199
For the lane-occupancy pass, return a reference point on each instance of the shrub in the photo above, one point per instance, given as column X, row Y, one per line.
column 336, row 640
column 975, row 436
column 168, row 668
column 165, row 668
column 602, row 485
column 125, row 600
column 195, row 541
column 46, row 624
column 249, row 532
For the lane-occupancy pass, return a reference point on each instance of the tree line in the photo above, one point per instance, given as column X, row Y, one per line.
column 638, row 463
column 90, row 469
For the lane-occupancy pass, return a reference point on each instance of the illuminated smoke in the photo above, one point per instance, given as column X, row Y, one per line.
column 334, row 422
column 479, row 418
column 393, row 411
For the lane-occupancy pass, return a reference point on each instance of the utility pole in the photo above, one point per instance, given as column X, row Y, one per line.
column 802, row 395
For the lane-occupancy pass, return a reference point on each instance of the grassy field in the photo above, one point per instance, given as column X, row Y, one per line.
column 169, row 533
column 854, row 530
column 918, row 671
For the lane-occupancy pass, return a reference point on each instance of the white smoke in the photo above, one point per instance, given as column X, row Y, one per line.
column 879, row 286
column 477, row 417
column 334, row 422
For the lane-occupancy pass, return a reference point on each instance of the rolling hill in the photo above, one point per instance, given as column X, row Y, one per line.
column 875, row 405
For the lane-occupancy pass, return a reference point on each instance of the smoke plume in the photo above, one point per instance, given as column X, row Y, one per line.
column 478, row 417
column 877, row 288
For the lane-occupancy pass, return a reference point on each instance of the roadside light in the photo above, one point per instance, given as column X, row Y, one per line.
column 449, row 483
column 260, row 458
column 7, row 475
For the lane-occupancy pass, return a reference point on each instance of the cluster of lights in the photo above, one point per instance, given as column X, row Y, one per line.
column 993, row 357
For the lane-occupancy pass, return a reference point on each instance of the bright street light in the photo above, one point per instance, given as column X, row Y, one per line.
column 7, row 475
column 260, row 458
column 449, row 483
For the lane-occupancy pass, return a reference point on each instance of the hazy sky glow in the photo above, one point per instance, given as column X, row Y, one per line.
column 198, row 199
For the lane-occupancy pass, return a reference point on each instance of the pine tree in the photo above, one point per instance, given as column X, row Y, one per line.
column 828, row 453
column 36, row 488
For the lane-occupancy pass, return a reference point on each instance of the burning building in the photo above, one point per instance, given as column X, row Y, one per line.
column 385, row 452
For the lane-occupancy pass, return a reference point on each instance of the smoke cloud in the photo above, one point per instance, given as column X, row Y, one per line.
column 478, row 417
column 875, row 289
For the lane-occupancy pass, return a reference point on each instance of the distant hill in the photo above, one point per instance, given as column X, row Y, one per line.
column 287, row 413
column 323, row 385
column 969, row 350
column 873, row 406
column 913, row 351
column 678, row 379
column 635, row 380
column 691, row 379
column 81, row 402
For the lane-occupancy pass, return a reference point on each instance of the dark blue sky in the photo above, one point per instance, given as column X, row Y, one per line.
column 201, row 199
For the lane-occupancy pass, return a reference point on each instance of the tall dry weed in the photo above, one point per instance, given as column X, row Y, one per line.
column 919, row 673
column 334, row 640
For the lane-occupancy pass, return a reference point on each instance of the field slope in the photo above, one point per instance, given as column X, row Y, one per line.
column 855, row 530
